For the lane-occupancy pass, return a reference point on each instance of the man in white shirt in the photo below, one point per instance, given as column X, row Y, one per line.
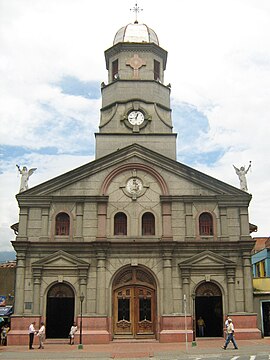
column 31, row 332
column 230, row 335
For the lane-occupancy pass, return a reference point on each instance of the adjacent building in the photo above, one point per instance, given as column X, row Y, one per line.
column 261, row 282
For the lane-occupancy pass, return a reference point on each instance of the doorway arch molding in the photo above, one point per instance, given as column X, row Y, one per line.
column 129, row 273
column 208, row 288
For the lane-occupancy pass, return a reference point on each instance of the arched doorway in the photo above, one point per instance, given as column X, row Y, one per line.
column 208, row 305
column 134, row 304
column 60, row 311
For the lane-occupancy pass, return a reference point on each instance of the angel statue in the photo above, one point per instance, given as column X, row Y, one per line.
column 25, row 177
column 242, row 176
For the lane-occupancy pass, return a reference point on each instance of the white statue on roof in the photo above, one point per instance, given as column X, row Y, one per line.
column 242, row 176
column 25, row 174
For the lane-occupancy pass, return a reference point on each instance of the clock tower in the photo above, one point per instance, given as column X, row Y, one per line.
column 135, row 101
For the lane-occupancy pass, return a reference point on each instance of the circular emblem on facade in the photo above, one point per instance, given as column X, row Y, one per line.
column 134, row 186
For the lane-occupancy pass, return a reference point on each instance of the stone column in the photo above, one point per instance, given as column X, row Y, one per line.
column 36, row 295
column 45, row 222
column 23, row 222
column 244, row 222
column 79, row 220
column 248, row 288
column 166, row 221
column 102, row 217
column 83, row 288
column 189, row 220
column 185, row 274
column 231, row 290
column 167, row 279
column 101, row 282
column 19, row 283
column 223, row 222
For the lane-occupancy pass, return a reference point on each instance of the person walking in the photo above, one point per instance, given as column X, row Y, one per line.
column 201, row 326
column 72, row 332
column 32, row 332
column 230, row 335
column 41, row 335
column 4, row 333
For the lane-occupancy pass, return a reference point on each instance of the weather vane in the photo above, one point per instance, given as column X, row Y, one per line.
column 136, row 9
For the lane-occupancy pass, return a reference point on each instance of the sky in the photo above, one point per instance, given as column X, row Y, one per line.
column 52, row 64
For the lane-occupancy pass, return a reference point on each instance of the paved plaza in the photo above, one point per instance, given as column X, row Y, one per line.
column 204, row 349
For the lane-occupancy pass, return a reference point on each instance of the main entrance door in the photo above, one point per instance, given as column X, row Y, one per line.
column 134, row 304
column 60, row 311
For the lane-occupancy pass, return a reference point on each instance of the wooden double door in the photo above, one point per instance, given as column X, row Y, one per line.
column 134, row 311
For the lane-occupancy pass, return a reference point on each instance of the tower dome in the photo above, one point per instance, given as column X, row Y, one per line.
column 136, row 33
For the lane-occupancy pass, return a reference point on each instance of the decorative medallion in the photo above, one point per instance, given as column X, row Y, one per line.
column 134, row 186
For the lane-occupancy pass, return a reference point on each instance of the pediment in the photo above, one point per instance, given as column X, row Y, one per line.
column 207, row 259
column 60, row 259
column 137, row 154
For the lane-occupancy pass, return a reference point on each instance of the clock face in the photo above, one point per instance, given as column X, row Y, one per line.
column 135, row 117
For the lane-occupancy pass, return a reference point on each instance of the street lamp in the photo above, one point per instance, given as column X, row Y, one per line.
column 194, row 320
column 81, row 300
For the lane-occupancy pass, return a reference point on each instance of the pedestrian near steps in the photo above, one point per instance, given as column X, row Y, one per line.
column 230, row 335
column 41, row 335
column 32, row 332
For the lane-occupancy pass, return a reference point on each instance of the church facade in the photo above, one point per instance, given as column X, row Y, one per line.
column 134, row 244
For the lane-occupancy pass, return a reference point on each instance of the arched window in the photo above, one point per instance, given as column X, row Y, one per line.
column 206, row 224
column 148, row 224
column 120, row 224
column 62, row 223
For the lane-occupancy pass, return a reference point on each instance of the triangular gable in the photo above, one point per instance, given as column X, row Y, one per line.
column 207, row 259
column 130, row 152
column 60, row 259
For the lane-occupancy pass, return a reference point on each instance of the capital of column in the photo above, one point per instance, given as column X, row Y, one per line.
column 246, row 259
column 230, row 275
column 185, row 274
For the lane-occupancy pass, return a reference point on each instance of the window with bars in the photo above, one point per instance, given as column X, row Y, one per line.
column 206, row 224
column 148, row 224
column 156, row 70
column 120, row 224
column 62, row 223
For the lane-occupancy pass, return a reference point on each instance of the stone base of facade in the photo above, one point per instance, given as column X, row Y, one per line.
column 175, row 329
column 245, row 326
column 97, row 330
column 18, row 335
column 94, row 330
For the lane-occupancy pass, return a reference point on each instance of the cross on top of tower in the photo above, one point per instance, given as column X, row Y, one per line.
column 136, row 9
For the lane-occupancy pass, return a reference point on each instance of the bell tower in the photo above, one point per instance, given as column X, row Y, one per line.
column 135, row 101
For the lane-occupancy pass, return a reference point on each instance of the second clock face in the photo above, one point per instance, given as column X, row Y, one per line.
column 136, row 117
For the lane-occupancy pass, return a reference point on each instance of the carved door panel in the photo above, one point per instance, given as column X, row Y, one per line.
column 123, row 311
column 144, row 305
column 134, row 311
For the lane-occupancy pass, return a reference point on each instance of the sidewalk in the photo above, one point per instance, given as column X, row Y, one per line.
column 134, row 350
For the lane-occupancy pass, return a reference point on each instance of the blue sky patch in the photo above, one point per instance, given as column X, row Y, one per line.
column 73, row 86
column 191, row 124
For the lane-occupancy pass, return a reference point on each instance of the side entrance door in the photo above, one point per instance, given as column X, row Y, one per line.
column 134, row 312
column 60, row 311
